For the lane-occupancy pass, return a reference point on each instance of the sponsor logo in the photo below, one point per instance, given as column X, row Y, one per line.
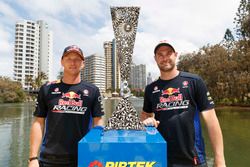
column 71, row 95
column 56, row 91
column 100, row 98
column 173, row 105
column 85, row 92
column 209, row 98
column 185, row 84
column 170, row 91
column 156, row 89
column 70, row 102
column 69, row 109
column 123, row 164
column 95, row 164
column 171, row 99
column 62, row 102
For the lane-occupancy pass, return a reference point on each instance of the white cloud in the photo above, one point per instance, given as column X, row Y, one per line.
column 189, row 25
column 7, row 11
column 6, row 35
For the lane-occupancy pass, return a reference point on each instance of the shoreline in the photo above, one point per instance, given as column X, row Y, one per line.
column 247, row 108
column 220, row 106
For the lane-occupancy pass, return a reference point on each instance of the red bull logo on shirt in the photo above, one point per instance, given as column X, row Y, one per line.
column 70, row 102
column 172, row 99
column 170, row 91
column 71, row 95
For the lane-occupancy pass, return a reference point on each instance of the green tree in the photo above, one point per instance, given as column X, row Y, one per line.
column 29, row 81
column 11, row 91
column 36, row 83
column 242, row 20
column 225, row 67
column 228, row 41
column 228, row 80
column 40, row 80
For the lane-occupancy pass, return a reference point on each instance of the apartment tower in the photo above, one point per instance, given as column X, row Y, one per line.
column 33, row 51
column 112, row 66
column 138, row 76
column 94, row 71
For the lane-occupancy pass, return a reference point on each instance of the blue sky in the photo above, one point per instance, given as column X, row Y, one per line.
column 188, row 25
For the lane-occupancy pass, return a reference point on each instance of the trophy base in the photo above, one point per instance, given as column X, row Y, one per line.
column 120, row 148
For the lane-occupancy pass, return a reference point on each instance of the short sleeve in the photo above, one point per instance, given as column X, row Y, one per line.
column 41, row 105
column 203, row 97
column 97, row 108
column 147, row 104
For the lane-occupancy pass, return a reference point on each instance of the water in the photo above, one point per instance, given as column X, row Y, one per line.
column 15, row 122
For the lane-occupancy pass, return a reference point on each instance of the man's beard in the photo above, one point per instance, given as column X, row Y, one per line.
column 167, row 68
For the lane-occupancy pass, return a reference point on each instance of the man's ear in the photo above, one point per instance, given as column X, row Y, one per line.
column 83, row 65
column 176, row 54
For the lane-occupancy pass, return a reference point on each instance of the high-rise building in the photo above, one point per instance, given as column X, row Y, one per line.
column 45, row 49
column 138, row 76
column 94, row 71
column 33, row 51
column 112, row 66
column 149, row 79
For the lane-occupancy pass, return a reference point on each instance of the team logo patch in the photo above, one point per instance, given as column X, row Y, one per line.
column 56, row 91
column 156, row 89
column 171, row 99
column 100, row 98
column 209, row 98
column 85, row 92
column 70, row 102
column 71, row 95
column 185, row 84
column 171, row 91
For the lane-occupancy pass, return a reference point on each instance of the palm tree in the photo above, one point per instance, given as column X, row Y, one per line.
column 36, row 83
column 40, row 79
column 29, row 81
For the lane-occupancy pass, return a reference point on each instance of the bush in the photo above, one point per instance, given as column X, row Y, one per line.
column 11, row 91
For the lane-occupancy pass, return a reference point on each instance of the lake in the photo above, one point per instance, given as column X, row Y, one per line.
column 15, row 122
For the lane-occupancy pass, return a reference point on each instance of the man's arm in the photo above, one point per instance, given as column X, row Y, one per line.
column 148, row 119
column 215, row 136
column 98, row 121
column 36, row 134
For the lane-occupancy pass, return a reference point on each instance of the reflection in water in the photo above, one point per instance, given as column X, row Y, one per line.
column 15, row 122
column 235, row 123
column 5, row 144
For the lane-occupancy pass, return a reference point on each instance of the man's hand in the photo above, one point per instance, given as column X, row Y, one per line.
column 34, row 163
column 219, row 164
column 151, row 122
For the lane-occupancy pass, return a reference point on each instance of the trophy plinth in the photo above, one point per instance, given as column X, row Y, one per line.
column 122, row 148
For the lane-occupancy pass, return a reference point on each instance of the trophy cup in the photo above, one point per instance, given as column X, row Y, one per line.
column 125, row 21
column 124, row 141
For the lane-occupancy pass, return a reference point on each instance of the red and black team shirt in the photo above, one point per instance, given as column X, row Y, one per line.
column 176, row 103
column 68, row 110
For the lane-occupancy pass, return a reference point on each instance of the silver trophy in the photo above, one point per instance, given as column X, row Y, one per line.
column 125, row 20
